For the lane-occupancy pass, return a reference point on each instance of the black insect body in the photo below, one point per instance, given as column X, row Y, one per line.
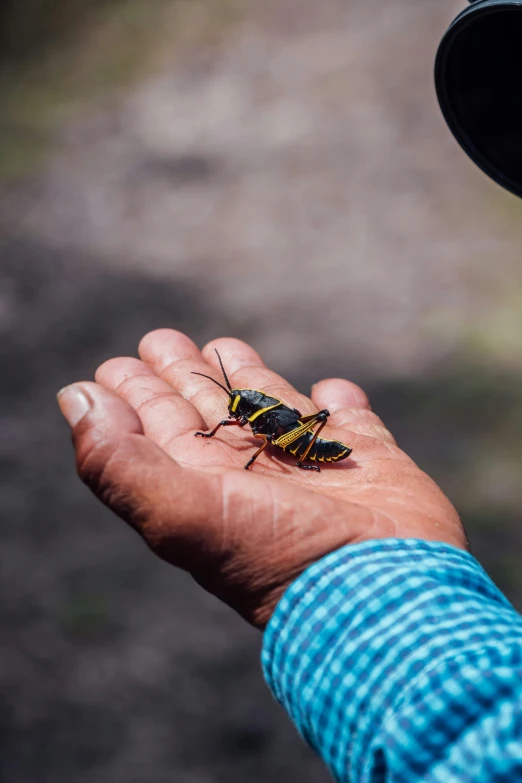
column 278, row 425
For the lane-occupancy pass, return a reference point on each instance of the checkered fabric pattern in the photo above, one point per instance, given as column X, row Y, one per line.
column 399, row 660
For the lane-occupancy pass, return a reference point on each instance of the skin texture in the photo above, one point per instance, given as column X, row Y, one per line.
column 243, row 535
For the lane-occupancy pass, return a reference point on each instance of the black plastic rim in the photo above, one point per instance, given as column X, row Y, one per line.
column 499, row 162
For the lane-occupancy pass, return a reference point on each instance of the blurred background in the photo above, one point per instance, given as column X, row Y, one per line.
column 277, row 170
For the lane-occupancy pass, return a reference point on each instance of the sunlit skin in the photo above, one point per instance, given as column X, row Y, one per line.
column 243, row 535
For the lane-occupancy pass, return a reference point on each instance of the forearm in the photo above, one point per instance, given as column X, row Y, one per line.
column 397, row 660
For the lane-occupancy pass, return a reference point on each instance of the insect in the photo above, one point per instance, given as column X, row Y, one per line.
column 278, row 425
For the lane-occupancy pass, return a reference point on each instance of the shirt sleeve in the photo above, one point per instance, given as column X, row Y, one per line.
column 399, row 660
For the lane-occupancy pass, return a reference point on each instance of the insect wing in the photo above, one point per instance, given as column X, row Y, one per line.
column 286, row 419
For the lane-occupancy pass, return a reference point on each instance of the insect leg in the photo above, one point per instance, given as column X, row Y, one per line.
column 258, row 452
column 321, row 416
column 225, row 423
column 304, row 456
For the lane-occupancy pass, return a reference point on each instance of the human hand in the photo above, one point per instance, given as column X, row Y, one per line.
column 244, row 536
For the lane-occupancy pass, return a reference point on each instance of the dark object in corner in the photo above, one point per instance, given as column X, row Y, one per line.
column 478, row 77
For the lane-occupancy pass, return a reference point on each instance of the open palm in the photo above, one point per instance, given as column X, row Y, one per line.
column 243, row 535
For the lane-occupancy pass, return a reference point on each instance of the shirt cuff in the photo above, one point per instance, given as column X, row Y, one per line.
column 369, row 636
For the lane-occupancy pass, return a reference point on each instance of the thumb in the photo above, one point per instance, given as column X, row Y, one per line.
column 174, row 509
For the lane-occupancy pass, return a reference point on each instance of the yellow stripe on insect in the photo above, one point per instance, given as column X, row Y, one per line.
column 235, row 403
column 263, row 410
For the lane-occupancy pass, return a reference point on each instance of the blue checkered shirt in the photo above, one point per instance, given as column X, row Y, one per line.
column 399, row 660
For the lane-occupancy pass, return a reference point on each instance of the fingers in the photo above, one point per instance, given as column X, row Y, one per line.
column 164, row 413
column 350, row 408
column 170, row 506
column 163, row 347
column 336, row 394
column 174, row 357
column 246, row 369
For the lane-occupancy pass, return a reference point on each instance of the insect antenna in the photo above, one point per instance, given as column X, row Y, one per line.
column 213, row 381
column 223, row 371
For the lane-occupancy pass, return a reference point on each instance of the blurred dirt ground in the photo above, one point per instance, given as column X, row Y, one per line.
column 279, row 171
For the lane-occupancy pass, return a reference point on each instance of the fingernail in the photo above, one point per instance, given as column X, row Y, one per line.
column 74, row 404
